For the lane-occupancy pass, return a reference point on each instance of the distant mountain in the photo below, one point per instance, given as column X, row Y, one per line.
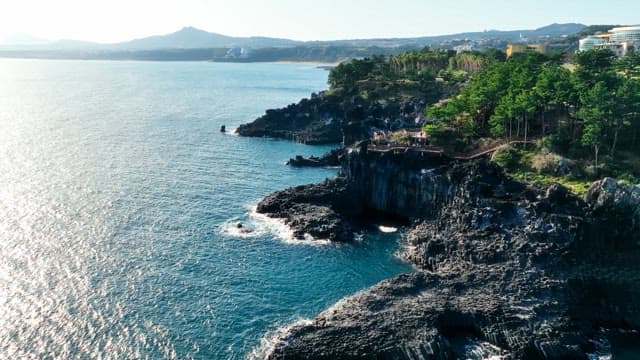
column 554, row 30
column 192, row 38
column 550, row 31
column 595, row 29
column 23, row 39
column 193, row 44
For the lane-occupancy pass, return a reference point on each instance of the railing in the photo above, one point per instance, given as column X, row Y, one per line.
column 493, row 148
column 405, row 148
column 435, row 150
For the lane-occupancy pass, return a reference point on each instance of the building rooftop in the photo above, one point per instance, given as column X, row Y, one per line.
column 626, row 28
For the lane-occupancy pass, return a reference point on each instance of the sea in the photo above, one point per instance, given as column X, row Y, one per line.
column 119, row 205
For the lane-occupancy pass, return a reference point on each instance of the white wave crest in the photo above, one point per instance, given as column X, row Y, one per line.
column 387, row 229
column 255, row 225
column 278, row 228
column 273, row 338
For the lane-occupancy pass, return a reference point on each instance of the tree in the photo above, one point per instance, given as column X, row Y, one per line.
column 555, row 91
column 502, row 115
column 629, row 65
column 592, row 134
column 593, row 66
column 346, row 75
column 446, row 112
column 627, row 111
column 525, row 106
column 595, row 61
column 596, row 109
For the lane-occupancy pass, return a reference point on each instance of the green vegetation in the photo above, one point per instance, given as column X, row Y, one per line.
column 593, row 30
column 569, row 44
column 542, row 168
column 427, row 73
column 319, row 53
column 589, row 114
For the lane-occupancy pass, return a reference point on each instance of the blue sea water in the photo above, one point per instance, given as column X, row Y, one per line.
column 118, row 203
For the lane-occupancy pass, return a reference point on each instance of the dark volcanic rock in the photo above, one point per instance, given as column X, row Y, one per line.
column 616, row 207
column 533, row 274
column 330, row 119
column 321, row 210
column 330, row 159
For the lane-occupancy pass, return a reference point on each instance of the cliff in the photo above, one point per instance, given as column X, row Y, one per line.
column 503, row 269
column 330, row 119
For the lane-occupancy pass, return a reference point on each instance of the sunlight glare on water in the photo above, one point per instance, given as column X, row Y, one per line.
column 115, row 190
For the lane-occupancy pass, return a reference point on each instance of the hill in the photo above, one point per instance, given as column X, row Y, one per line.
column 194, row 44
column 192, row 38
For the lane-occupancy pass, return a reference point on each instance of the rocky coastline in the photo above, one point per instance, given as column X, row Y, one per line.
column 330, row 159
column 531, row 273
column 321, row 119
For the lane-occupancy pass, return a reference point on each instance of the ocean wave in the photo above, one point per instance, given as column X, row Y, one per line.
column 477, row 349
column 387, row 229
column 236, row 228
column 603, row 346
column 254, row 225
column 282, row 231
column 269, row 341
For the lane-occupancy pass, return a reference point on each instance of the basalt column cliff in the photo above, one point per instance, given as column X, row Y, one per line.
column 529, row 273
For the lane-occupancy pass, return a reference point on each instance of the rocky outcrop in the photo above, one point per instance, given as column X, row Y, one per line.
column 330, row 119
column 609, row 195
column 330, row 159
column 525, row 273
column 321, row 211
column 617, row 208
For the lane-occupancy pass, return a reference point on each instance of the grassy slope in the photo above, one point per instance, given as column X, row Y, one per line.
column 519, row 164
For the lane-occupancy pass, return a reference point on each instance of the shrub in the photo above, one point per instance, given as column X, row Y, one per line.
column 590, row 171
column 628, row 178
column 505, row 156
column 557, row 143
column 400, row 138
column 603, row 170
column 550, row 163
column 440, row 135
column 467, row 125
column 434, row 131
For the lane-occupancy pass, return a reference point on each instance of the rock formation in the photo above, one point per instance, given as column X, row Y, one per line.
column 530, row 274
column 330, row 159
column 330, row 119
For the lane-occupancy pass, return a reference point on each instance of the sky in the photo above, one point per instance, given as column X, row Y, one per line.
column 120, row 20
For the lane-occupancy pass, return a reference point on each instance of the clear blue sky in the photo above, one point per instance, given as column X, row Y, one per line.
column 119, row 20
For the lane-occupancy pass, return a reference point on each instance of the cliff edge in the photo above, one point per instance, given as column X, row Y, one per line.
column 502, row 269
column 330, row 119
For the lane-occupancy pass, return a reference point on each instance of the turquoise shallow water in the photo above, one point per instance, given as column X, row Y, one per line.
column 118, row 199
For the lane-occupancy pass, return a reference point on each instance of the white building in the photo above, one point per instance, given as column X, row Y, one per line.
column 619, row 49
column 591, row 42
column 619, row 40
column 629, row 34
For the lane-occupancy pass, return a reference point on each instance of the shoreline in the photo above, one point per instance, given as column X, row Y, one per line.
column 319, row 64
column 500, row 262
column 466, row 242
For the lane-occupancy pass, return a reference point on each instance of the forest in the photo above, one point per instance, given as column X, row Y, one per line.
column 591, row 104
column 428, row 74
column 581, row 109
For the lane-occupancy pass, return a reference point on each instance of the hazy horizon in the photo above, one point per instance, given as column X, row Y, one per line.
column 305, row 21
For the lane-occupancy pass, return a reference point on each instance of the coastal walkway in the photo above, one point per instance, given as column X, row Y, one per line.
column 440, row 152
